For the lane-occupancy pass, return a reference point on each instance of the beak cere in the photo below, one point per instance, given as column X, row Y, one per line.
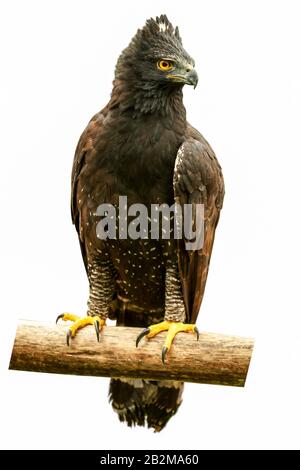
column 192, row 78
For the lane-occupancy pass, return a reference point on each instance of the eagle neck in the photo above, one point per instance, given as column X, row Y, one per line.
column 145, row 100
column 160, row 102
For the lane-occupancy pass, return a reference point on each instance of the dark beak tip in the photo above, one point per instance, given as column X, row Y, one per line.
column 193, row 78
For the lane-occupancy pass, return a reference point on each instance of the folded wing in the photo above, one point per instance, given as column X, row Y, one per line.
column 197, row 180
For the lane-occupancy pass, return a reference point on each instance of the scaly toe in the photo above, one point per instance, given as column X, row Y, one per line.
column 152, row 331
column 67, row 317
column 81, row 323
column 173, row 328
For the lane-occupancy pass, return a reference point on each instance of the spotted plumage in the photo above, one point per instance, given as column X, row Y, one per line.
column 140, row 145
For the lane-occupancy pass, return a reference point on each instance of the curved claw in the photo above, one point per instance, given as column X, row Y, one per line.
column 97, row 328
column 145, row 332
column 197, row 333
column 69, row 337
column 59, row 317
column 164, row 353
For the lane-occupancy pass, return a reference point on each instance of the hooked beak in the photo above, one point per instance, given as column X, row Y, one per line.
column 192, row 78
column 188, row 77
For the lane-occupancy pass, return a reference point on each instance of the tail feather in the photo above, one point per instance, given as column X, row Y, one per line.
column 145, row 402
column 126, row 400
column 167, row 401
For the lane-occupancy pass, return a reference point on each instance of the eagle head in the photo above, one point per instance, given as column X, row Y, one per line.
column 155, row 58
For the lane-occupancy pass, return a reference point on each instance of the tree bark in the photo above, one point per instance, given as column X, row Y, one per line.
column 214, row 359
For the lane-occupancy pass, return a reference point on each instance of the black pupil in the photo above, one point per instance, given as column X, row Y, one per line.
column 165, row 64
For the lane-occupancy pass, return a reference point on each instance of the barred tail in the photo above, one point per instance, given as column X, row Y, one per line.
column 145, row 402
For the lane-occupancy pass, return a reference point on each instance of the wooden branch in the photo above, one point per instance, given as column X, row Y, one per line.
column 214, row 359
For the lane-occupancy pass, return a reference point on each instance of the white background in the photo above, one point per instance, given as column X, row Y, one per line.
column 57, row 62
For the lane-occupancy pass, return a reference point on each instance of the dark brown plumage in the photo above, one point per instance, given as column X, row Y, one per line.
column 141, row 146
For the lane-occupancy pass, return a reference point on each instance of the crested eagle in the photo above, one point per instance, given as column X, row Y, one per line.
column 140, row 145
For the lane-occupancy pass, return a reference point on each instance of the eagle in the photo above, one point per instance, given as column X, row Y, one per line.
column 141, row 146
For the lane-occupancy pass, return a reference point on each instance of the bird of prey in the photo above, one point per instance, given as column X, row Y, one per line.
column 141, row 146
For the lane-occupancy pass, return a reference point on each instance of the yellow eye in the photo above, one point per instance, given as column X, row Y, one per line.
column 164, row 65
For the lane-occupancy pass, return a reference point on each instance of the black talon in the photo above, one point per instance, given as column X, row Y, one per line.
column 59, row 317
column 97, row 328
column 197, row 333
column 145, row 332
column 163, row 353
column 69, row 337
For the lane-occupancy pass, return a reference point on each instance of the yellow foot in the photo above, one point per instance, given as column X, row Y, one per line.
column 172, row 327
column 80, row 323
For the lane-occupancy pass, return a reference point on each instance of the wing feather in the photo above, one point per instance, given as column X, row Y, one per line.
column 84, row 149
column 197, row 180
